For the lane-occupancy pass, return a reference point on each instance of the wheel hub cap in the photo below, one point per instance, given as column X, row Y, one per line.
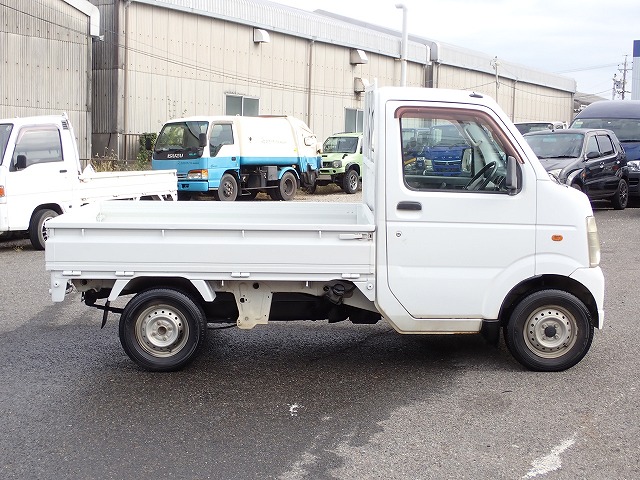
column 161, row 331
column 549, row 332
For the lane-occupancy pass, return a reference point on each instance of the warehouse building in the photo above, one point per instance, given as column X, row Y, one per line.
column 45, row 51
column 158, row 59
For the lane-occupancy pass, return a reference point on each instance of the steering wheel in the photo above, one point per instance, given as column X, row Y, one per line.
column 483, row 177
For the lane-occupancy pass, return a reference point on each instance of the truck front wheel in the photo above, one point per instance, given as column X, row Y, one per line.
column 549, row 331
column 228, row 189
column 350, row 181
column 38, row 229
column 162, row 330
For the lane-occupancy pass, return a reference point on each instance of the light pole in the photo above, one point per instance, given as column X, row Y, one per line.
column 403, row 55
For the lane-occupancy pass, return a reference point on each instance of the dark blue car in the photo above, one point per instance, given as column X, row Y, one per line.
column 623, row 118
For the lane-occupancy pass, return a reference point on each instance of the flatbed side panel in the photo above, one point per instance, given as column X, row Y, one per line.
column 189, row 240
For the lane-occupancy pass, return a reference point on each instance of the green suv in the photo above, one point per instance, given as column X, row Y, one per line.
column 342, row 161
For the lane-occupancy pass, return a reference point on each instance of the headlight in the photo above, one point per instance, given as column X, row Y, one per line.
column 634, row 165
column 593, row 241
column 198, row 175
column 337, row 164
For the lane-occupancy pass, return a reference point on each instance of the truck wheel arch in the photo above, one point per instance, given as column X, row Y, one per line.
column 544, row 282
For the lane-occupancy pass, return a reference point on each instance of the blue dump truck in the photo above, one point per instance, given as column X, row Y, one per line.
column 233, row 157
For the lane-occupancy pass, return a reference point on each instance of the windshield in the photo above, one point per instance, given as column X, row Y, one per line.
column 556, row 145
column 340, row 145
column 626, row 129
column 181, row 136
column 5, row 131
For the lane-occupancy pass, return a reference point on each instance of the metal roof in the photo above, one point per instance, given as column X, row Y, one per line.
column 335, row 29
column 300, row 23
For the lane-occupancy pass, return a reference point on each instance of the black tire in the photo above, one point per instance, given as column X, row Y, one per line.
column 350, row 181
column 577, row 186
column 621, row 197
column 311, row 189
column 549, row 331
column 162, row 330
column 184, row 196
column 38, row 229
column 228, row 189
column 287, row 187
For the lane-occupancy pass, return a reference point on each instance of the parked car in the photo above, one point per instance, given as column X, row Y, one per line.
column 528, row 127
column 623, row 118
column 591, row 160
column 341, row 162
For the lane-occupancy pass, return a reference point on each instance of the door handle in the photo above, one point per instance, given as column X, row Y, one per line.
column 409, row 206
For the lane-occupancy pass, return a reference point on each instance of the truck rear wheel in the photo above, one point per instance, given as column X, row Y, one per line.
column 287, row 187
column 350, row 181
column 38, row 229
column 549, row 331
column 162, row 330
column 228, row 189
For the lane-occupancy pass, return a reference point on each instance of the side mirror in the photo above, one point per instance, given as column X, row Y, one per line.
column 202, row 140
column 148, row 144
column 591, row 155
column 21, row 162
column 512, row 175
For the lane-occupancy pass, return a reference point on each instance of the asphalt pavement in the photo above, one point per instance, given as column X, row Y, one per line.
column 309, row 400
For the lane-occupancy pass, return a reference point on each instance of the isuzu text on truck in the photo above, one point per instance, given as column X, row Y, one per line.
column 41, row 177
column 237, row 157
column 497, row 246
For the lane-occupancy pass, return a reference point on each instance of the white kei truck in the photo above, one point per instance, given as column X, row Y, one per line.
column 497, row 245
column 41, row 176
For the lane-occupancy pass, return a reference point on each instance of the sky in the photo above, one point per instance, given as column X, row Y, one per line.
column 586, row 40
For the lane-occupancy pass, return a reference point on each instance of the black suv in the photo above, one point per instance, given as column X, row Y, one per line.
column 591, row 160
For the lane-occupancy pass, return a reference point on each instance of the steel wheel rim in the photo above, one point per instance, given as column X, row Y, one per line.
column 45, row 235
column 288, row 186
column 550, row 331
column 161, row 331
column 227, row 189
column 353, row 181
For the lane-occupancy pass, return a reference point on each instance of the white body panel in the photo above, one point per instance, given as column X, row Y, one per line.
column 442, row 268
column 56, row 182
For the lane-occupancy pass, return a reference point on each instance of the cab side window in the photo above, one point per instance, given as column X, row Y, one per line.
column 37, row 145
column 221, row 134
column 457, row 151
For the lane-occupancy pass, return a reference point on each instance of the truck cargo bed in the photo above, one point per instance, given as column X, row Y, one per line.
column 213, row 240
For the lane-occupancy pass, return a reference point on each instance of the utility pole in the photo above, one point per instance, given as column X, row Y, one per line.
column 405, row 41
column 495, row 64
column 620, row 86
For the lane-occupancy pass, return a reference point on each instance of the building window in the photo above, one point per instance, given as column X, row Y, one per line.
column 353, row 120
column 243, row 106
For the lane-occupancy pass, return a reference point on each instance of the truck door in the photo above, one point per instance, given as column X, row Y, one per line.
column 38, row 174
column 454, row 237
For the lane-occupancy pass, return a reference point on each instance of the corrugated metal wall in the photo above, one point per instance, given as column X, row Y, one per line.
column 160, row 59
column 178, row 63
column 45, row 52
